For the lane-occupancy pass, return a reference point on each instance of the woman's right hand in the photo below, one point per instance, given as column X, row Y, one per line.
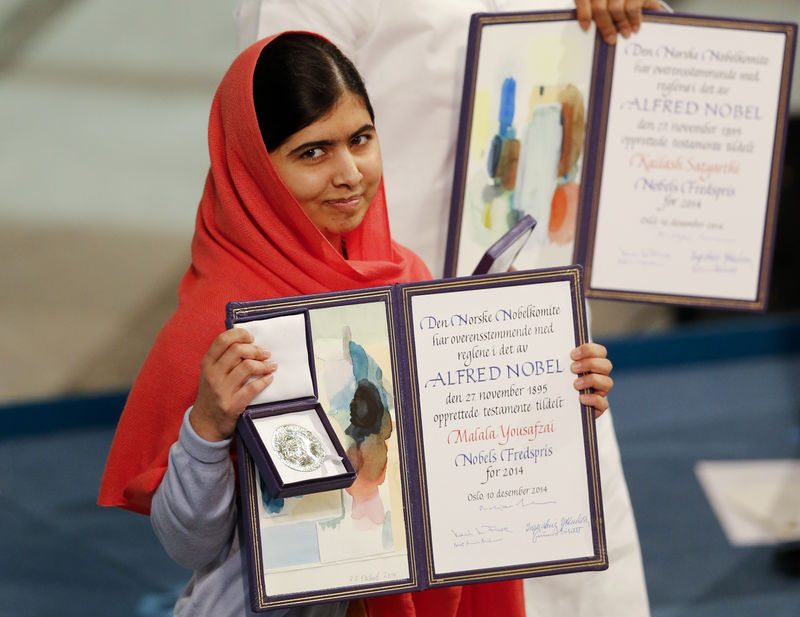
column 226, row 387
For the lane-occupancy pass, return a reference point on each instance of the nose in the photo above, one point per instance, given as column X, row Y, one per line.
column 347, row 171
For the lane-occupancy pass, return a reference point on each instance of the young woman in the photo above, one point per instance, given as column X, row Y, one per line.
column 293, row 204
column 412, row 56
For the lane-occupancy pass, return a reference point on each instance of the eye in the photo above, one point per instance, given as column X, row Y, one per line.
column 312, row 154
column 360, row 140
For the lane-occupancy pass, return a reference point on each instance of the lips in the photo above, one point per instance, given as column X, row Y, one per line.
column 344, row 202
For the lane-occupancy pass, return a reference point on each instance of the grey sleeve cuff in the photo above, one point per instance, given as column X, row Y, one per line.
column 200, row 449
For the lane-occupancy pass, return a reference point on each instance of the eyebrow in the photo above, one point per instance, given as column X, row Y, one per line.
column 310, row 145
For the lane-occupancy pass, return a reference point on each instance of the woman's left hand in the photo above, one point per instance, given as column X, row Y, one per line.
column 593, row 369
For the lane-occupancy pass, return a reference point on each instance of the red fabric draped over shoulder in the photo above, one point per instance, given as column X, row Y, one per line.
column 253, row 241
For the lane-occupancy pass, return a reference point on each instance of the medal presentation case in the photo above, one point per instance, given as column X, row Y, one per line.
column 453, row 401
column 285, row 428
column 501, row 255
column 655, row 163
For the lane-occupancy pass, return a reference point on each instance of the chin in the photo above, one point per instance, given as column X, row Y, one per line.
column 353, row 224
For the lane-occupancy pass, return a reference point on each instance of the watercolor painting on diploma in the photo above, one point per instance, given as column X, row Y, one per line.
column 524, row 151
column 363, row 525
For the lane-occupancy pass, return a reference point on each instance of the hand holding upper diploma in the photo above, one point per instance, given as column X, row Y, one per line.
column 612, row 16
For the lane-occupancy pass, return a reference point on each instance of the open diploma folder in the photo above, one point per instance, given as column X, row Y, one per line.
column 655, row 163
column 454, row 402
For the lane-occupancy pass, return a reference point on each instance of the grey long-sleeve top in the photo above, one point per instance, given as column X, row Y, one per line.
column 194, row 516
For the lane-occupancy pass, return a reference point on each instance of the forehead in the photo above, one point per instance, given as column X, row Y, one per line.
column 348, row 115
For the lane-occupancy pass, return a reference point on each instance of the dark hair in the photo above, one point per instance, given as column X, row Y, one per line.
column 298, row 78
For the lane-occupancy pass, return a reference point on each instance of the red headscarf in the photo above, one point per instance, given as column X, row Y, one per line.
column 253, row 241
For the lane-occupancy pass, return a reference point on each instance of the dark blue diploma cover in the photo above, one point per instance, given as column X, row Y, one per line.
column 453, row 402
column 655, row 163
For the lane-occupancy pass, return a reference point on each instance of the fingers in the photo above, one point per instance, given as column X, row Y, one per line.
column 242, row 371
column 233, row 358
column 624, row 13
column 584, row 11
column 225, row 340
column 233, row 371
column 593, row 369
column 588, row 350
column 248, row 389
column 633, row 13
column 597, row 401
column 602, row 366
column 601, row 384
column 232, row 346
column 652, row 5
column 604, row 19
column 613, row 16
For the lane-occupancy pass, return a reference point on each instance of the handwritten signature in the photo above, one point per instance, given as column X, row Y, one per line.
column 643, row 257
column 717, row 262
column 556, row 527
column 480, row 534
column 374, row 577
column 521, row 503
